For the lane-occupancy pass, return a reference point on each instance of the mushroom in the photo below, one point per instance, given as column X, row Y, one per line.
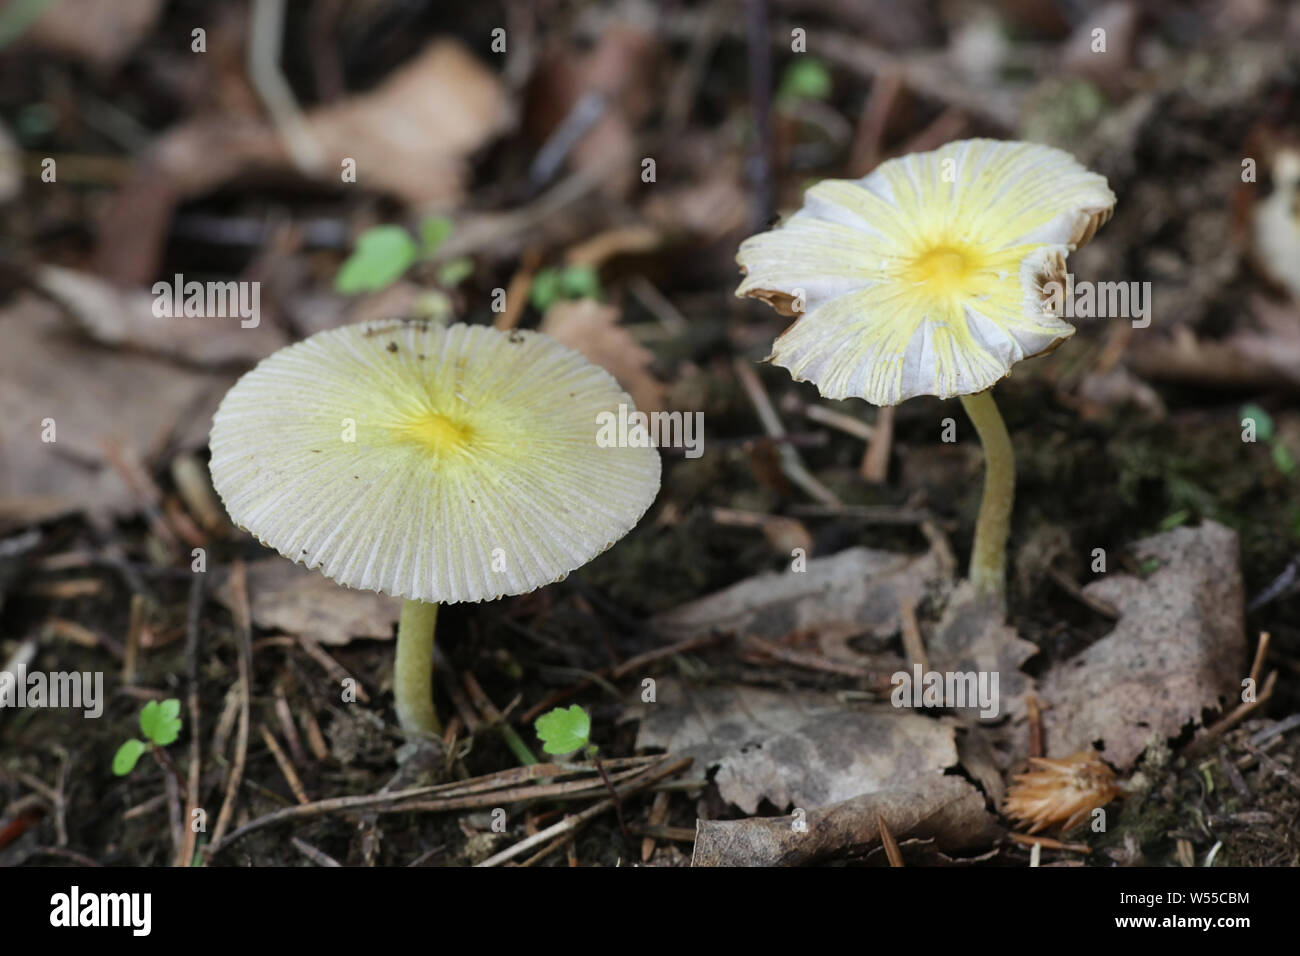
column 933, row 275
column 434, row 464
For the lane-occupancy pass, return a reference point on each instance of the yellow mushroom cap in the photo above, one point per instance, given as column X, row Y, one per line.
column 927, row 276
column 436, row 464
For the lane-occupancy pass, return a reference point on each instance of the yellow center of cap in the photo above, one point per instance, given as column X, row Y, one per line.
column 440, row 434
column 943, row 269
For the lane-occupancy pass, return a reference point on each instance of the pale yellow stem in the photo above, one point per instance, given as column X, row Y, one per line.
column 413, row 669
column 988, row 557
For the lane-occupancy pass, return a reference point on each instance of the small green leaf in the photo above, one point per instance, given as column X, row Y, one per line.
column 455, row 272
column 545, row 290
column 124, row 760
column 161, row 721
column 805, row 79
column 1263, row 421
column 381, row 256
column 434, row 231
column 580, row 282
column 1283, row 458
column 563, row 731
column 1174, row 520
column 1149, row 567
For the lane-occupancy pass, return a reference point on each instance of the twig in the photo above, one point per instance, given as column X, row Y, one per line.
column 53, row 796
column 871, row 514
column 243, row 638
column 653, row 775
column 585, row 113
column 265, row 40
column 1104, row 608
column 1035, row 718
column 126, row 462
column 913, row 644
column 654, row 832
column 1280, row 585
column 331, row 666
column 494, row 716
column 888, row 842
column 173, row 786
column 920, row 75
column 192, row 483
column 286, row 766
column 658, row 817
column 135, row 622
column 315, row 739
column 839, row 421
column 1235, row 716
column 875, row 460
column 629, row 666
column 658, row 304
column 318, row 857
column 63, row 853
column 520, row 285
column 868, row 142
column 613, row 794
column 1276, row 730
column 879, row 680
column 1261, row 652
column 564, row 840
column 460, row 795
column 192, row 634
column 287, row 727
column 420, row 860
column 168, row 766
column 447, row 675
column 1049, row 843
column 791, row 463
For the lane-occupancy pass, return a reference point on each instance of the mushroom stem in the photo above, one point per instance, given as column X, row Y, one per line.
column 413, row 671
column 988, row 556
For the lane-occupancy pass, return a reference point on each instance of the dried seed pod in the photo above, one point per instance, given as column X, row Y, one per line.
column 1060, row 791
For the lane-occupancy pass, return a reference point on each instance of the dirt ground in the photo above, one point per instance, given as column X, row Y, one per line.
column 170, row 161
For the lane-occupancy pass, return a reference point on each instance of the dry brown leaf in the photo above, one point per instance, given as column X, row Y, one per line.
column 947, row 810
column 1264, row 353
column 98, row 32
column 1179, row 647
column 412, row 136
column 592, row 328
column 708, row 210
column 287, row 597
column 853, row 592
column 972, row 638
column 802, row 749
column 980, row 760
column 124, row 317
column 90, row 394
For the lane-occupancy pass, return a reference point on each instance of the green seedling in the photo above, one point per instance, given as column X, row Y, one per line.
column 566, row 731
column 161, row 724
column 807, row 78
column 383, row 254
column 569, row 282
column 1266, row 432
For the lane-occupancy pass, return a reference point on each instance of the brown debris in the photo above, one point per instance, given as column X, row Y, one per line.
column 1060, row 792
